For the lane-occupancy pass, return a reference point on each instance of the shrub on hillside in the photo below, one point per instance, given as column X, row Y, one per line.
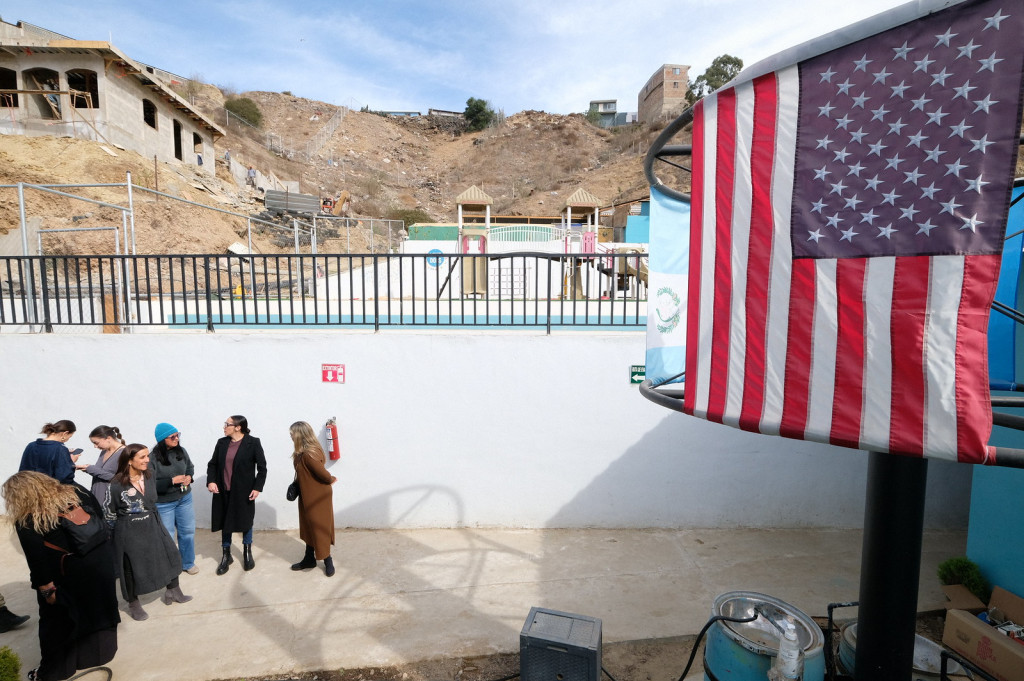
column 410, row 216
column 246, row 109
column 478, row 114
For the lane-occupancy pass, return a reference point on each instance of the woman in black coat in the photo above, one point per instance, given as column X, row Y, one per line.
column 144, row 552
column 77, row 599
column 236, row 474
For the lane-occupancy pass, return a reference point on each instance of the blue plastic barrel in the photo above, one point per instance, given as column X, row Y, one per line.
column 744, row 652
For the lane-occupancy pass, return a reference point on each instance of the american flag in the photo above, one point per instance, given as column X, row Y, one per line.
column 847, row 223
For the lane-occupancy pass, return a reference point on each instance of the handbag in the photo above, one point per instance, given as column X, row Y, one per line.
column 293, row 491
column 84, row 530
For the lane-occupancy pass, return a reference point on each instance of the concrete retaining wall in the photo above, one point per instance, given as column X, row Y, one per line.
column 502, row 429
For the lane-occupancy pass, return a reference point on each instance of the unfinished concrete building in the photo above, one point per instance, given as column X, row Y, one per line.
column 53, row 85
column 664, row 95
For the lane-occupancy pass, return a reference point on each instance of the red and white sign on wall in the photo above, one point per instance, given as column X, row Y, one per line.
column 333, row 373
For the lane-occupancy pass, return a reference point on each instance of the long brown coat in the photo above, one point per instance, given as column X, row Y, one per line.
column 316, row 503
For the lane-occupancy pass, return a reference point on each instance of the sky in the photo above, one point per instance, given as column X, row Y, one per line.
column 401, row 55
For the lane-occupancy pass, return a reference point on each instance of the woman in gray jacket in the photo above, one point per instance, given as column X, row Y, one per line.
column 173, row 472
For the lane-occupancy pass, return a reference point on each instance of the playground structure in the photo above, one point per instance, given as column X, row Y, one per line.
column 494, row 262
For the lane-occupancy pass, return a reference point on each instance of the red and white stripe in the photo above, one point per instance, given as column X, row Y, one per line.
column 887, row 353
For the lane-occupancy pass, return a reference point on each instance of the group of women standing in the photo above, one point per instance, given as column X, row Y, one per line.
column 139, row 511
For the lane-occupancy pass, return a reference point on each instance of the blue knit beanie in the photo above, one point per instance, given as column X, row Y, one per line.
column 164, row 431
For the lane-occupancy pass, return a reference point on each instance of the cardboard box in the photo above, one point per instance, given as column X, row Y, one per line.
column 980, row 643
column 960, row 598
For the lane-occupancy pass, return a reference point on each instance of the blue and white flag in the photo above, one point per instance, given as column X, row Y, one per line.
column 666, row 306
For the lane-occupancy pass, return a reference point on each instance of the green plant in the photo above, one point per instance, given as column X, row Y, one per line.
column 723, row 69
column 963, row 570
column 410, row 216
column 10, row 665
column 246, row 109
column 286, row 92
column 478, row 114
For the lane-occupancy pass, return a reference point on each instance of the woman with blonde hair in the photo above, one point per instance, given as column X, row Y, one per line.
column 316, row 503
column 74, row 582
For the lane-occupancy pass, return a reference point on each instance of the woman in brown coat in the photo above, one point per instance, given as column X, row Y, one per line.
column 316, row 504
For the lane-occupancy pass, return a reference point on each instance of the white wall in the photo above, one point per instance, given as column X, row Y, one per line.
column 507, row 428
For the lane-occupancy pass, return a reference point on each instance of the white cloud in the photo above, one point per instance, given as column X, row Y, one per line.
column 406, row 54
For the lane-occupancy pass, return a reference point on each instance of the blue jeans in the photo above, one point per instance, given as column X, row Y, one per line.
column 225, row 538
column 179, row 515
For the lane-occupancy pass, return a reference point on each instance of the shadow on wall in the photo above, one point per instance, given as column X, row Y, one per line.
column 690, row 473
column 399, row 507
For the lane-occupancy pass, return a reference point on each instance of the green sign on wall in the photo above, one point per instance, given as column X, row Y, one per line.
column 637, row 373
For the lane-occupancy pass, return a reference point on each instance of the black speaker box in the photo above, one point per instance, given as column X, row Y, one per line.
column 559, row 646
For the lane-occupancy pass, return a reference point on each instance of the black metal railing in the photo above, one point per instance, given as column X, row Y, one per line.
column 545, row 290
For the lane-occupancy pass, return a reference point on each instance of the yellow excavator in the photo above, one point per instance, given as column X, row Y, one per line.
column 342, row 205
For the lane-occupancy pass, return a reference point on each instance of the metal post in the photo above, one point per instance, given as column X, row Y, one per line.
column 295, row 232
column 312, row 238
column 890, row 567
column 29, row 288
column 126, row 281
column 252, row 274
column 209, row 302
column 131, row 210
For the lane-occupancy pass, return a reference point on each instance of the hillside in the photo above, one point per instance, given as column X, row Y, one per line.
column 529, row 165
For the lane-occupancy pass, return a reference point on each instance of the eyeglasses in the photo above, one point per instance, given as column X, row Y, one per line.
column 228, row 425
column 176, row 436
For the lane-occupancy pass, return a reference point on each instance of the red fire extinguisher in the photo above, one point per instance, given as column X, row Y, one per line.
column 332, row 439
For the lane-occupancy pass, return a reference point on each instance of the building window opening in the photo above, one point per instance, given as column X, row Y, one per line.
column 197, row 147
column 84, row 86
column 177, row 141
column 675, row 85
column 8, row 81
column 41, row 104
column 149, row 113
column 675, row 72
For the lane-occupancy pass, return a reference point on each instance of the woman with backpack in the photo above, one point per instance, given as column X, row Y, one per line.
column 71, row 571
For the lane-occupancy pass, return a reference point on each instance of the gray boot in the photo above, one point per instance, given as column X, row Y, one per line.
column 174, row 595
column 136, row 611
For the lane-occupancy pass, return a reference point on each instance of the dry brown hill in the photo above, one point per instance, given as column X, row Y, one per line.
column 529, row 164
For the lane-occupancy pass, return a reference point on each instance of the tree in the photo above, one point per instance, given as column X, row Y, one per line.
column 478, row 114
column 593, row 116
column 246, row 109
column 722, row 70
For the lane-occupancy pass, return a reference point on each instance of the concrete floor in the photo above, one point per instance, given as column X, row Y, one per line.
column 402, row 596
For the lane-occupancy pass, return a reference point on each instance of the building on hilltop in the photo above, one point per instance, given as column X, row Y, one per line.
column 664, row 95
column 53, row 85
column 608, row 114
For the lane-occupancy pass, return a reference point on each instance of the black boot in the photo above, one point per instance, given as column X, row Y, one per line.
column 225, row 561
column 8, row 620
column 308, row 561
column 329, row 566
column 247, row 562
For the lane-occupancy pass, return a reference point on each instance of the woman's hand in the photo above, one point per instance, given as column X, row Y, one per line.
column 253, row 494
column 181, row 480
column 49, row 592
column 213, row 487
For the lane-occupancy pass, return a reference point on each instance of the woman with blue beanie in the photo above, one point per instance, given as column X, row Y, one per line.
column 172, row 472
